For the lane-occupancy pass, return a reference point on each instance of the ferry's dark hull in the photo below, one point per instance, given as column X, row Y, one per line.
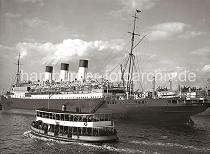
column 149, row 110
column 75, row 138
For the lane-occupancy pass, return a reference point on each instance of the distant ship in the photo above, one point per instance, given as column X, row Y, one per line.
column 92, row 95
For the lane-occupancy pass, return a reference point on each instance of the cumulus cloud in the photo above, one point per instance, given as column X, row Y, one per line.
column 166, row 30
column 67, row 50
column 205, row 51
column 206, row 68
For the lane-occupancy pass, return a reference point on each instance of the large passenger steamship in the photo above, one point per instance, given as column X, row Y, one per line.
column 84, row 95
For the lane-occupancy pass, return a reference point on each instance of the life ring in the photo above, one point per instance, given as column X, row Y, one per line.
column 85, row 123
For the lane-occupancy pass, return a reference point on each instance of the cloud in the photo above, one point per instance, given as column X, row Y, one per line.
column 166, row 30
column 6, row 53
column 39, row 2
column 206, row 68
column 3, row 47
column 71, row 49
column 34, row 22
column 190, row 34
column 148, row 57
column 140, row 4
column 128, row 6
column 12, row 15
column 205, row 51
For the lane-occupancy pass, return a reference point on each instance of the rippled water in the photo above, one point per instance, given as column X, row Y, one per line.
column 15, row 137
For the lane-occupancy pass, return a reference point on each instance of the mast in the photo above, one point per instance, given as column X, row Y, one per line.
column 122, row 76
column 153, row 87
column 170, row 85
column 131, row 56
column 18, row 71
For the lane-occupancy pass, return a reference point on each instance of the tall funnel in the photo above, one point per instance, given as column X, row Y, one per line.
column 64, row 75
column 82, row 72
column 48, row 73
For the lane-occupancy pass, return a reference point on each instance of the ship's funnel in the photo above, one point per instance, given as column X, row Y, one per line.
column 82, row 72
column 48, row 73
column 64, row 72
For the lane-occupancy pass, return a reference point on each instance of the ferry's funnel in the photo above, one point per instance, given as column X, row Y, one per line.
column 48, row 73
column 64, row 72
column 82, row 72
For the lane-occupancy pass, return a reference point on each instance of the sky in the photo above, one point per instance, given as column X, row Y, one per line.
column 49, row 32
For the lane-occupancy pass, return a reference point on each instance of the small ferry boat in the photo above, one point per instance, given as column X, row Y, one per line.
column 67, row 126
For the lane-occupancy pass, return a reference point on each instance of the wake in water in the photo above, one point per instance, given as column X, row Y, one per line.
column 171, row 145
column 27, row 133
column 101, row 147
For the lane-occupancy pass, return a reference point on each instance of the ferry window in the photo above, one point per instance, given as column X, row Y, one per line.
column 75, row 118
column 41, row 114
column 80, row 118
column 188, row 101
column 71, row 118
column 53, row 116
column 66, row 117
column 47, row 115
column 201, row 101
column 62, row 116
column 102, row 117
column 50, row 115
column 57, row 117
column 174, row 101
column 106, row 117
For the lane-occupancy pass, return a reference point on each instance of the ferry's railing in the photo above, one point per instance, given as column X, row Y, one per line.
column 75, row 117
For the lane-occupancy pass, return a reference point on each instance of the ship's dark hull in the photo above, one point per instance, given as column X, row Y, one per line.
column 207, row 112
column 149, row 110
column 74, row 138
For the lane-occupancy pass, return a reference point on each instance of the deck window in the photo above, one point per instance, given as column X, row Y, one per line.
column 53, row 116
column 62, row 116
column 66, row 117
column 50, row 115
column 47, row 115
column 57, row 117
column 174, row 101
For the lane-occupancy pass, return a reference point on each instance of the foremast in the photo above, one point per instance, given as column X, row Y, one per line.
column 131, row 59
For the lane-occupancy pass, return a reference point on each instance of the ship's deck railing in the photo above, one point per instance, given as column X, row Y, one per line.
column 76, row 117
column 95, row 124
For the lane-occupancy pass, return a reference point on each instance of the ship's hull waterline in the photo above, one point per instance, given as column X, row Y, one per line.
column 149, row 110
